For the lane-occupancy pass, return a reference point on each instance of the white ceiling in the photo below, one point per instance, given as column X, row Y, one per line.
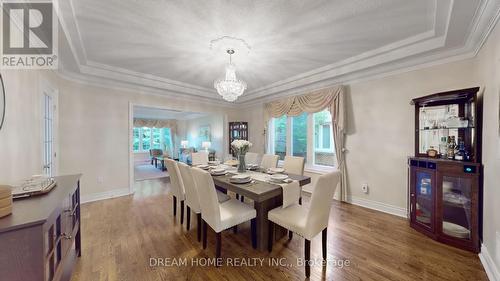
column 143, row 112
column 165, row 44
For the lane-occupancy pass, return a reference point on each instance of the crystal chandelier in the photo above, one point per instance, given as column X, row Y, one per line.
column 230, row 88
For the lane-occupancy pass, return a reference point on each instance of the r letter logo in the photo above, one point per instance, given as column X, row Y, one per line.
column 29, row 35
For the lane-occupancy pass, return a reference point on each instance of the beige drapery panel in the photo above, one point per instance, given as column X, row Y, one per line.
column 330, row 98
column 153, row 123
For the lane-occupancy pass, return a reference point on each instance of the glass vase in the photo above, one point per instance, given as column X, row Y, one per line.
column 241, row 165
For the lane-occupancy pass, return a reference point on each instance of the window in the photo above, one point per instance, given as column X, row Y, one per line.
column 323, row 139
column 299, row 135
column 145, row 138
column 48, row 135
column 280, row 125
column 307, row 135
column 156, row 139
column 136, row 138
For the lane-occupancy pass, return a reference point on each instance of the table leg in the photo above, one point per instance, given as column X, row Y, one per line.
column 262, row 224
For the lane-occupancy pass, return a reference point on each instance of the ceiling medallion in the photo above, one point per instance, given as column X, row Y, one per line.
column 230, row 87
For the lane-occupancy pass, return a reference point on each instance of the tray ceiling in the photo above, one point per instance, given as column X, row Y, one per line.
column 294, row 44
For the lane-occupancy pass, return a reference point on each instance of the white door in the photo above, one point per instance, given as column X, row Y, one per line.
column 49, row 107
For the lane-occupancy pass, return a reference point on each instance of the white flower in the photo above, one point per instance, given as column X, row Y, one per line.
column 241, row 146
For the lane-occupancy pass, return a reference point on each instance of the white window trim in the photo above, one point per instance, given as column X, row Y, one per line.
column 320, row 139
column 310, row 167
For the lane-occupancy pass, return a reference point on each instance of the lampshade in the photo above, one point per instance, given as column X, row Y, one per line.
column 184, row 143
column 206, row 144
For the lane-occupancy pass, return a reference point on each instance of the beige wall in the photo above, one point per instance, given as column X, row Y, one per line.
column 189, row 130
column 20, row 136
column 254, row 115
column 380, row 127
column 488, row 67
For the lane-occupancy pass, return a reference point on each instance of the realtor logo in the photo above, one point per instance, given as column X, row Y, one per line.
column 29, row 35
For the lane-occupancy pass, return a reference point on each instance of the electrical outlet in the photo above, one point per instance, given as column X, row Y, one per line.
column 100, row 179
column 364, row 187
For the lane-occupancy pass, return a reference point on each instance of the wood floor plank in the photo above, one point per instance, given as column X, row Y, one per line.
column 119, row 236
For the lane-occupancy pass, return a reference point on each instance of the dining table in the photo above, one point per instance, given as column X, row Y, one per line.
column 265, row 194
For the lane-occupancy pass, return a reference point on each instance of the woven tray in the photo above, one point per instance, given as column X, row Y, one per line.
column 5, row 211
column 5, row 191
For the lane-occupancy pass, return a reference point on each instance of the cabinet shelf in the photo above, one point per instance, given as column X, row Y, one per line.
column 448, row 128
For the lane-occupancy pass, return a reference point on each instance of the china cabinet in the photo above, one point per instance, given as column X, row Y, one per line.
column 237, row 131
column 445, row 175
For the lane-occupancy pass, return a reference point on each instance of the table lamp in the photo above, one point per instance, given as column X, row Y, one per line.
column 184, row 143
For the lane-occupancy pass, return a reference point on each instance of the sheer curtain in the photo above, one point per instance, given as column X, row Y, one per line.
column 330, row 98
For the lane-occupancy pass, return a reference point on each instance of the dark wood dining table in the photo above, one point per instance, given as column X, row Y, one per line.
column 266, row 196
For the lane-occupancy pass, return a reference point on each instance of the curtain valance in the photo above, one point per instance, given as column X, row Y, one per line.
column 152, row 123
column 330, row 98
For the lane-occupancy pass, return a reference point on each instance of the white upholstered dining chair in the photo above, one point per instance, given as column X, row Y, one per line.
column 220, row 216
column 294, row 165
column 252, row 158
column 308, row 221
column 176, row 186
column 199, row 158
column 269, row 161
column 192, row 198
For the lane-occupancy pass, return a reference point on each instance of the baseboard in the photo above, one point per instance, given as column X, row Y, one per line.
column 105, row 195
column 374, row 205
column 489, row 265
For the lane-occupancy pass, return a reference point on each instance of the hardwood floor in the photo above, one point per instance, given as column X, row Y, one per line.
column 121, row 235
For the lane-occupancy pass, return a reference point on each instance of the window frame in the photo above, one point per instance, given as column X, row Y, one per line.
column 151, row 139
column 310, row 165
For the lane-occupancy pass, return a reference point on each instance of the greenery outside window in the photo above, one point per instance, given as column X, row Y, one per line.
column 308, row 135
column 145, row 138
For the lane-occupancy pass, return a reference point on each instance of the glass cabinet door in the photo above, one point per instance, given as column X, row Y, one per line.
column 424, row 205
column 456, row 207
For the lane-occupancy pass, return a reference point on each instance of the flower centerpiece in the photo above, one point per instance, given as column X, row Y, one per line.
column 241, row 147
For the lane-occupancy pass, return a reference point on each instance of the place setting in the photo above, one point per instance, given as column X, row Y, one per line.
column 218, row 171
column 241, row 179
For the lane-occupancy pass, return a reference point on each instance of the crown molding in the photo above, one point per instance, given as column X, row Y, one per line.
column 374, row 74
column 100, row 82
column 488, row 26
column 124, row 75
column 416, row 52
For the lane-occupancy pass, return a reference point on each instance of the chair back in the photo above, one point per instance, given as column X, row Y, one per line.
column 321, row 202
column 155, row 152
column 175, row 179
column 294, row 165
column 209, row 203
column 199, row 158
column 269, row 161
column 192, row 199
column 251, row 158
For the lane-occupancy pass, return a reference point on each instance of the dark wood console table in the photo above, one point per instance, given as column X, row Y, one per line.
column 41, row 239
